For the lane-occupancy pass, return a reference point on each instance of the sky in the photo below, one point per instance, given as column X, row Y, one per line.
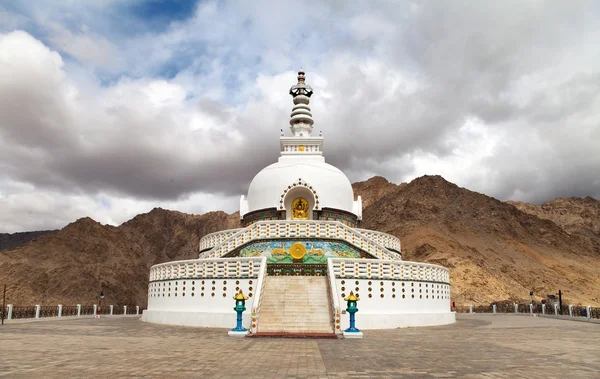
column 111, row 108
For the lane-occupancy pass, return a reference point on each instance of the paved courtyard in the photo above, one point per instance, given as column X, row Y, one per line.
column 500, row 346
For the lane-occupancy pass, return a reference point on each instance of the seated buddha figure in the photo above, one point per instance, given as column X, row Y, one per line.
column 300, row 209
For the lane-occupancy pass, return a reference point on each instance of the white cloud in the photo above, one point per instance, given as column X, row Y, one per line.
column 501, row 98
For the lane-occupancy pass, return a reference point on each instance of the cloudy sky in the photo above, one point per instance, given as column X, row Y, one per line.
column 110, row 108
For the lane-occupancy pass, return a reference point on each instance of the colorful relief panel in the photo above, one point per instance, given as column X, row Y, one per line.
column 307, row 252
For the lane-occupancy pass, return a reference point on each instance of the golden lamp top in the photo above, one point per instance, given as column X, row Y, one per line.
column 351, row 297
column 240, row 296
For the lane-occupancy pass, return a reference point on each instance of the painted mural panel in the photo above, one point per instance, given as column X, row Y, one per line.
column 308, row 252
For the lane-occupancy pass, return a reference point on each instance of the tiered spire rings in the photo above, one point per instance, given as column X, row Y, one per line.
column 301, row 122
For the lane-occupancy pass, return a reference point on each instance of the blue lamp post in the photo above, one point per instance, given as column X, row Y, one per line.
column 240, row 306
column 352, row 331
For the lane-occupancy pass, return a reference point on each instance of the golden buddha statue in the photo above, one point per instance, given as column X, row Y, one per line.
column 300, row 209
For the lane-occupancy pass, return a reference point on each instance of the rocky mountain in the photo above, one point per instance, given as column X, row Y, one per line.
column 578, row 216
column 12, row 240
column 495, row 250
column 74, row 264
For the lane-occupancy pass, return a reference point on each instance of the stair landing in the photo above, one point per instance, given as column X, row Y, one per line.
column 295, row 306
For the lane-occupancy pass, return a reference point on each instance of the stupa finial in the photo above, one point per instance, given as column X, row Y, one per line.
column 301, row 121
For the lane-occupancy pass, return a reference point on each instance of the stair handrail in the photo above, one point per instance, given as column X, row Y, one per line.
column 262, row 274
column 334, row 297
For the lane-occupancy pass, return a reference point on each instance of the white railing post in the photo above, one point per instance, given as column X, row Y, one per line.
column 137, row 309
column 10, row 312
column 262, row 274
column 570, row 310
column 111, row 309
column 334, row 297
column 516, row 308
column 471, row 308
column 95, row 309
column 531, row 308
column 556, row 309
column 494, row 308
column 543, row 309
column 124, row 309
column 59, row 310
column 78, row 309
column 37, row 311
column 588, row 312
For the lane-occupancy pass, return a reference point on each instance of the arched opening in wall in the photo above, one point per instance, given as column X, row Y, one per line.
column 299, row 203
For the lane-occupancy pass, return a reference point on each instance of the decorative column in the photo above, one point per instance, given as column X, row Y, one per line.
column 240, row 307
column 37, row 311
column 59, row 310
column 78, row 310
column 352, row 331
column 111, row 309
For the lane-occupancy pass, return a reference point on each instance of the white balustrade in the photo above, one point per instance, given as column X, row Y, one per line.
column 403, row 270
column 208, row 268
column 298, row 229
column 213, row 239
column 262, row 274
column 381, row 238
column 334, row 297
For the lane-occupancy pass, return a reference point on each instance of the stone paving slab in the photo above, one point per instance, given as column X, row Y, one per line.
column 477, row 346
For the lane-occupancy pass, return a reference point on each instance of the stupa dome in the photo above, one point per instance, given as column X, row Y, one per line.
column 326, row 183
column 301, row 185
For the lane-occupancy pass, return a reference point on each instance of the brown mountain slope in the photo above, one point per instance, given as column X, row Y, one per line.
column 494, row 251
column 578, row 216
column 74, row 264
column 12, row 240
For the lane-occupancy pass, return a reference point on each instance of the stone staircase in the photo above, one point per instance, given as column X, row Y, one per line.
column 295, row 304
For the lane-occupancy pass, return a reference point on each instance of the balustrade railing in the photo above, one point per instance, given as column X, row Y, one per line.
column 537, row 308
column 49, row 311
column 208, row 268
column 400, row 270
column 23, row 312
column 384, row 239
column 213, row 239
column 260, row 287
column 335, row 304
column 300, row 229
column 69, row 310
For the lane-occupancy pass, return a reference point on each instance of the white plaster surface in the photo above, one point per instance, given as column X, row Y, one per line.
column 208, row 319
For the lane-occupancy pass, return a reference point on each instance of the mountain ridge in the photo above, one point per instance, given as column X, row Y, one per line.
column 494, row 250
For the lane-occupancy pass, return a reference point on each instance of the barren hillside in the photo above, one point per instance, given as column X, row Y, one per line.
column 494, row 250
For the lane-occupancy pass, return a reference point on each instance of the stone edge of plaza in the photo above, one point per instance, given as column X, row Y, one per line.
column 300, row 218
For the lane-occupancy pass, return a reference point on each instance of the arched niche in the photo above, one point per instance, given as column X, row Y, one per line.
column 295, row 193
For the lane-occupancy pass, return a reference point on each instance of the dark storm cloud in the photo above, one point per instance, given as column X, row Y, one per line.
column 395, row 85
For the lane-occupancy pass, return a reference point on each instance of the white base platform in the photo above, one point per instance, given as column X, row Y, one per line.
column 369, row 321
column 364, row 321
column 198, row 319
column 231, row 333
column 352, row 334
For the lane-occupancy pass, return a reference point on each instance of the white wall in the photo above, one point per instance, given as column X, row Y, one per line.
column 395, row 303
column 184, row 302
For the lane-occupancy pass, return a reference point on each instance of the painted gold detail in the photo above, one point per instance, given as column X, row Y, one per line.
column 300, row 209
column 297, row 250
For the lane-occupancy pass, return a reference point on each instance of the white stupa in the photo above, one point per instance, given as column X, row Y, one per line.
column 298, row 255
